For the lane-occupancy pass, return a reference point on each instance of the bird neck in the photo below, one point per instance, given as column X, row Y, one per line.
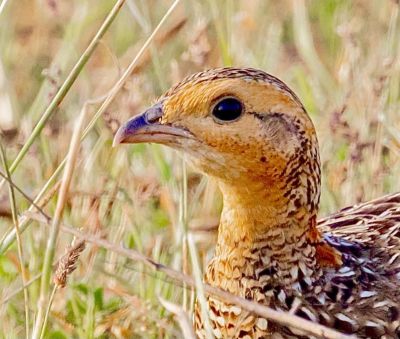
column 262, row 228
column 260, row 210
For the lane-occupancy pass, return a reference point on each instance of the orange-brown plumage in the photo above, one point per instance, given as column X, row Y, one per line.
column 250, row 132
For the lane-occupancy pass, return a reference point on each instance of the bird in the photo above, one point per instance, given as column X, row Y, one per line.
column 250, row 132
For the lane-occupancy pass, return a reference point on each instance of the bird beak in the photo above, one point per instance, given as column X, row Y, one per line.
column 147, row 127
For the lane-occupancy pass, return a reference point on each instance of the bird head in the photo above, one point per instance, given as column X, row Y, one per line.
column 243, row 127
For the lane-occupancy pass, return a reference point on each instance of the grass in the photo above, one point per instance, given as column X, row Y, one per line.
column 340, row 57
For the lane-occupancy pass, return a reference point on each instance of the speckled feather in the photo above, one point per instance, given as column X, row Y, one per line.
column 343, row 272
column 361, row 297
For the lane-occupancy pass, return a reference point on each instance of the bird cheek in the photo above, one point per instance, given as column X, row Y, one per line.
column 211, row 162
column 207, row 161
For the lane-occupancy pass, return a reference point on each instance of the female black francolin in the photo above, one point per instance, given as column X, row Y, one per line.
column 250, row 132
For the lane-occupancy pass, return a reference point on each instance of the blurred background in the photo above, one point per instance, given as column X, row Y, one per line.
column 341, row 57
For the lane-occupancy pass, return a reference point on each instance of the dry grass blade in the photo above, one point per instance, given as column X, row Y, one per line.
column 7, row 298
column 43, row 202
column 199, row 286
column 342, row 60
column 305, row 43
column 181, row 317
column 67, row 264
column 283, row 318
column 62, row 92
column 133, row 67
column 78, row 247
column 36, row 277
column 19, row 241
column 3, row 5
column 55, row 226
column 159, row 42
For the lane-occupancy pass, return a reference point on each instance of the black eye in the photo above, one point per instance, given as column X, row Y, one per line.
column 227, row 109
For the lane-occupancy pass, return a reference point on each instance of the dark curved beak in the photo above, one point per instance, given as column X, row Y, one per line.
column 147, row 127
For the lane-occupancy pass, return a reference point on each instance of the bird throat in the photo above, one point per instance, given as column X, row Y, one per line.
column 262, row 245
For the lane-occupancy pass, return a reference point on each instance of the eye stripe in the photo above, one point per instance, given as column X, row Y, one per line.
column 266, row 116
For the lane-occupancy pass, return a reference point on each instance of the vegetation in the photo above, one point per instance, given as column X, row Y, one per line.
column 60, row 65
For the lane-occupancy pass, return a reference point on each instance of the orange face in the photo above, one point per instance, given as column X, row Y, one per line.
column 235, row 125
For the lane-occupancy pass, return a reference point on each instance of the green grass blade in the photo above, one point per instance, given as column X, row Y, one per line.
column 62, row 92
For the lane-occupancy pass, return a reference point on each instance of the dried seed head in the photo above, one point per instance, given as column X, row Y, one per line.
column 67, row 264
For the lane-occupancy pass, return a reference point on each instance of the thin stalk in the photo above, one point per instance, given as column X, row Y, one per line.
column 201, row 295
column 55, row 226
column 65, row 87
column 23, row 220
column 41, row 199
column 19, row 241
column 181, row 317
column 305, row 45
column 2, row 5
column 284, row 318
column 26, row 196
column 10, row 238
column 221, row 34
column 46, row 317
column 184, row 223
column 23, row 287
column 116, row 88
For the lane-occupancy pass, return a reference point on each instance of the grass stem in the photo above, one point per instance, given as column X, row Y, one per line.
column 283, row 318
column 10, row 238
column 55, row 227
column 14, row 213
column 69, row 81
column 46, row 316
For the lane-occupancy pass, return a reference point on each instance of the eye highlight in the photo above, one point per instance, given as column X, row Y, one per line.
column 227, row 109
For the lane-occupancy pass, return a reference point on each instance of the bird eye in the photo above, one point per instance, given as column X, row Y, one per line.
column 228, row 109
